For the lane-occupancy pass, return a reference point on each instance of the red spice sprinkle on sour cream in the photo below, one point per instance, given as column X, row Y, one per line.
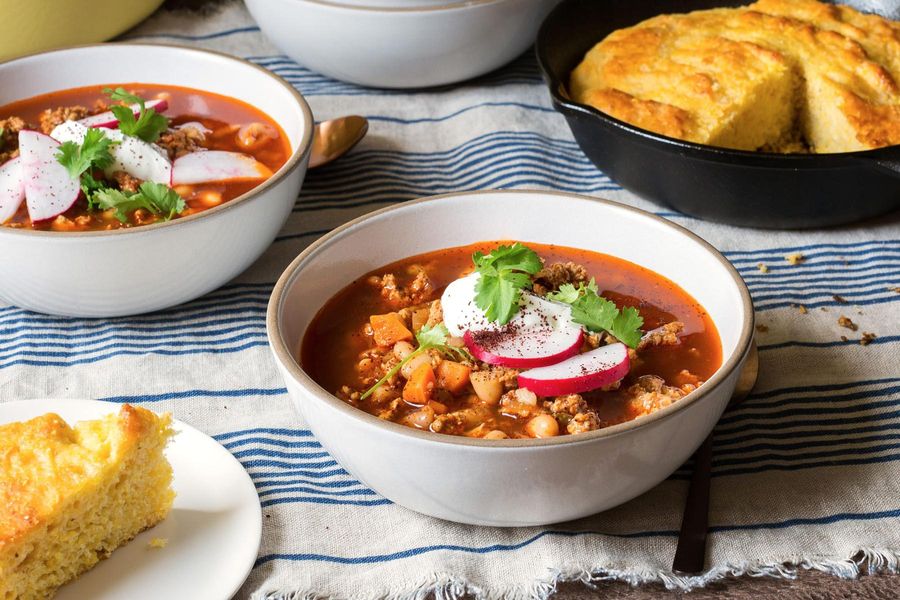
column 541, row 332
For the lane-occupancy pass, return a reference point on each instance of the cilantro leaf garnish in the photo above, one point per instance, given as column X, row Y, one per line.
column 156, row 198
column 429, row 338
column 433, row 336
column 148, row 125
column 120, row 94
column 504, row 273
column 594, row 312
column 122, row 202
column 92, row 153
column 90, row 186
column 517, row 257
column 81, row 159
column 163, row 199
column 598, row 314
column 569, row 294
column 626, row 326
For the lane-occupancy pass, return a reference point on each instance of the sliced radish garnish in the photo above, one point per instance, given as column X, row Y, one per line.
column 49, row 190
column 12, row 189
column 73, row 131
column 142, row 160
column 133, row 155
column 108, row 119
column 217, row 165
column 583, row 373
column 525, row 348
column 540, row 333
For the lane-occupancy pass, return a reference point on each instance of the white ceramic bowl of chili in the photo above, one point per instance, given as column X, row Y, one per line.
column 412, row 46
column 147, row 268
column 510, row 482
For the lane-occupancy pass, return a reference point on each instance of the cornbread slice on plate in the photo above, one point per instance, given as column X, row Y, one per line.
column 778, row 75
column 69, row 496
column 214, row 526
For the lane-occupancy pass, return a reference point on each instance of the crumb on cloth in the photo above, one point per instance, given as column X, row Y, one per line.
column 847, row 322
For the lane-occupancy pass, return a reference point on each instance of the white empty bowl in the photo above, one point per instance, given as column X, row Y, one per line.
column 509, row 482
column 401, row 3
column 407, row 47
column 129, row 271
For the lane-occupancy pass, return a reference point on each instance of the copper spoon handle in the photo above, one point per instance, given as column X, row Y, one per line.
column 690, row 554
column 334, row 138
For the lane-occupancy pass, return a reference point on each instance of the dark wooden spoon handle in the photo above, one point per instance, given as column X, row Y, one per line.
column 690, row 554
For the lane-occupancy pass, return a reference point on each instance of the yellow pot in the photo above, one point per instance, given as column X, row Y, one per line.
column 28, row 26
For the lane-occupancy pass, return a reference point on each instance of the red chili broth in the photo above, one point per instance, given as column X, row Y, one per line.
column 336, row 337
column 185, row 104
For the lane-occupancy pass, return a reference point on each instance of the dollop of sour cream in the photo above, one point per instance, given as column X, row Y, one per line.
column 458, row 304
column 535, row 314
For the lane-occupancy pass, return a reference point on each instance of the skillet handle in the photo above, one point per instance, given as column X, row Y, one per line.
column 887, row 160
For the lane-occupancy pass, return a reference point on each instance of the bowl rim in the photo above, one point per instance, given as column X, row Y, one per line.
column 562, row 102
column 450, row 5
column 284, row 354
column 298, row 154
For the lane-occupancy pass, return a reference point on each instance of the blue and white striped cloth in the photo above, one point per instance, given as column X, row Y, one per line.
column 806, row 472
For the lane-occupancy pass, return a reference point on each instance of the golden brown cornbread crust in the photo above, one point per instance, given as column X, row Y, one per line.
column 70, row 495
column 767, row 76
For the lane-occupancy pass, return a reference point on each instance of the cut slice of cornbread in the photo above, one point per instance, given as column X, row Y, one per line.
column 69, row 496
column 850, row 67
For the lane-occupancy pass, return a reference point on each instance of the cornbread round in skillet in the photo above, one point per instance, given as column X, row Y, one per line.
column 778, row 75
column 69, row 496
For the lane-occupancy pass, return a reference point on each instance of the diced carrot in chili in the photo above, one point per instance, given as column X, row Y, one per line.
column 389, row 329
column 420, row 385
column 453, row 376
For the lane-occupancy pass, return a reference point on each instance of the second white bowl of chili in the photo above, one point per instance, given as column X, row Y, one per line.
column 88, row 262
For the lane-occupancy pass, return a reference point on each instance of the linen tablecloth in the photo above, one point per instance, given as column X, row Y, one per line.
column 806, row 472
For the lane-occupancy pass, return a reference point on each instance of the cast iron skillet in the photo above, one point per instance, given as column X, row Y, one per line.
column 742, row 188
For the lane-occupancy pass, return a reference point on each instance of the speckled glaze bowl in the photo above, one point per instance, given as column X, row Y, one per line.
column 509, row 482
column 130, row 271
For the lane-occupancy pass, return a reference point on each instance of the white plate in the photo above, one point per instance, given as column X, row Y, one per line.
column 213, row 530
